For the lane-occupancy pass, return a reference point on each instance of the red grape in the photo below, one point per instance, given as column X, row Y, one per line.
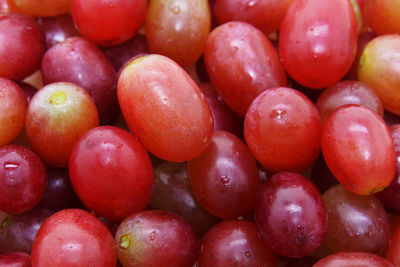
column 16, row 259
column 355, row 223
column 318, row 41
column 266, row 15
column 156, row 238
column 358, row 149
column 224, row 177
column 235, row 243
column 352, row 259
column 282, row 129
column 58, row 116
column 290, row 215
column 22, row 46
column 13, row 107
column 73, row 238
column 241, row 63
column 22, row 179
column 164, row 108
column 111, row 172
column 107, row 22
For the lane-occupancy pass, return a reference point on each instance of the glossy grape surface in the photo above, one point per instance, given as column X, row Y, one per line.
column 379, row 68
column 156, row 238
column 18, row 231
column 113, row 22
column 73, row 237
column 22, row 179
column 358, row 149
column 282, row 128
column 235, row 243
column 43, row 8
column 242, row 63
column 178, row 29
column 290, row 215
column 355, row 223
column 351, row 259
column 318, row 41
column 13, row 107
column 266, row 15
column 58, row 116
column 22, row 46
column 164, row 108
column 118, row 180
column 78, row 61
column 224, row 177
column 348, row 92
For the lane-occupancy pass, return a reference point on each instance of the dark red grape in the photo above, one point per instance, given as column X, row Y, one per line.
column 352, row 259
column 59, row 193
column 22, row 179
column 290, row 215
column 224, row 177
column 235, row 243
column 355, row 223
column 18, row 231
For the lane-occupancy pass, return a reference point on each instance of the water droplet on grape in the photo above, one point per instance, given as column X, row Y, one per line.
column 248, row 253
column 225, row 180
column 277, row 114
column 153, row 236
column 9, row 166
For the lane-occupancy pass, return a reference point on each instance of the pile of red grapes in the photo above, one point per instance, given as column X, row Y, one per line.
column 199, row 133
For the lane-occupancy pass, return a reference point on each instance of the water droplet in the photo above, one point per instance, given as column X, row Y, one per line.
column 153, row 236
column 9, row 166
column 119, row 145
column 248, row 253
column 175, row 10
column 225, row 180
column 277, row 114
column 315, row 57
column 252, row 3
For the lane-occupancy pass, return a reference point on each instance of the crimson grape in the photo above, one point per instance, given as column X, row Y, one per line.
column 111, row 172
column 242, row 63
column 282, row 128
column 156, row 238
column 290, row 215
column 318, row 41
column 358, row 149
column 224, row 177
column 235, row 243
column 73, row 238
column 22, row 46
column 22, row 179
